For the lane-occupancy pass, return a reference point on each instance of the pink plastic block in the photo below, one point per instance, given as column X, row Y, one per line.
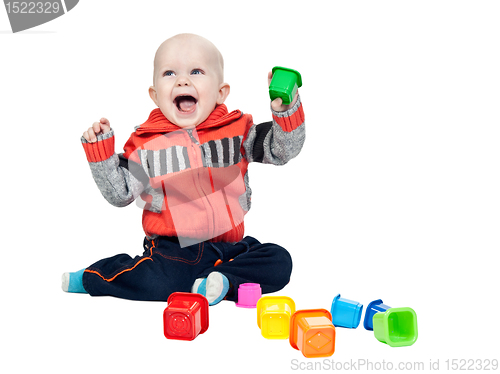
column 248, row 295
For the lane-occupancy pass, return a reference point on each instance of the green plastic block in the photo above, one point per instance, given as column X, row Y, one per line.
column 396, row 327
column 284, row 84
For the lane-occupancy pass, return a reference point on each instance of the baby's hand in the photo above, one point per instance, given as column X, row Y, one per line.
column 277, row 104
column 98, row 128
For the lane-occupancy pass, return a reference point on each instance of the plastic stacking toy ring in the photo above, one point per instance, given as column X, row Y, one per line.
column 248, row 295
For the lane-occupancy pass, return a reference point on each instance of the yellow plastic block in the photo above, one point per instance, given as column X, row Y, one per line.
column 273, row 316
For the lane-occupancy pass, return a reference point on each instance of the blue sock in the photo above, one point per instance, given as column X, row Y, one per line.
column 72, row 282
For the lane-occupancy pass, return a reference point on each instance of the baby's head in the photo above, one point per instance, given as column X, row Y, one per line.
column 188, row 80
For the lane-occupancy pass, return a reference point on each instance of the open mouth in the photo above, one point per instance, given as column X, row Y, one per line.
column 185, row 103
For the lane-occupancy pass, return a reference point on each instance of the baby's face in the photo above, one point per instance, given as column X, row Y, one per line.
column 188, row 80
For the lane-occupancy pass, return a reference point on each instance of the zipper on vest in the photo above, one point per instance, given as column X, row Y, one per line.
column 190, row 133
column 198, row 155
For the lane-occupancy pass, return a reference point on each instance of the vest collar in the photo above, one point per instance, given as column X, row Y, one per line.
column 157, row 122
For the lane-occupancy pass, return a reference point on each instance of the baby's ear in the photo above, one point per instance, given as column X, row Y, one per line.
column 223, row 93
column 152, row 95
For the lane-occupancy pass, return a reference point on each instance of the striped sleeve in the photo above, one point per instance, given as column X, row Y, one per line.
column 278, row 141
column 291, row 119
column 116, row 183
column 100, row 150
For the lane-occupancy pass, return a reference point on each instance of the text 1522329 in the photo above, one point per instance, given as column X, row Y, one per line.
column 32, row 7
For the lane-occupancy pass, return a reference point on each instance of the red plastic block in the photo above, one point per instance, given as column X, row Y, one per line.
column 186, row 316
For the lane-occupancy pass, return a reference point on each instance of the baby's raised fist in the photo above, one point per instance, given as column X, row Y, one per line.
column 98, row 128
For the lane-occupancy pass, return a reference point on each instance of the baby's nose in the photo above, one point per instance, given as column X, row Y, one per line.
column 182, row 81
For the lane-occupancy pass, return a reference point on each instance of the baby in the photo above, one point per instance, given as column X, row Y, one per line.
column 187, row 165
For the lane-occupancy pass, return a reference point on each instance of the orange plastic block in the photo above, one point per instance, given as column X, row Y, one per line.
column 312, row 332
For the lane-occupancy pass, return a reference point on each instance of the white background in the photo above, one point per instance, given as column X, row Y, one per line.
column 394, row 196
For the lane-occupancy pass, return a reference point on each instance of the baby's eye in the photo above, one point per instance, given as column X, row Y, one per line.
column 196, row 71
column 169, row 73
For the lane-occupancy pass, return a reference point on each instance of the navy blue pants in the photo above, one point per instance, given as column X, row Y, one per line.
column 165, row 268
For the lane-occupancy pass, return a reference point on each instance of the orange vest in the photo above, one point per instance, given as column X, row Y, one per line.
column 195, row 178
